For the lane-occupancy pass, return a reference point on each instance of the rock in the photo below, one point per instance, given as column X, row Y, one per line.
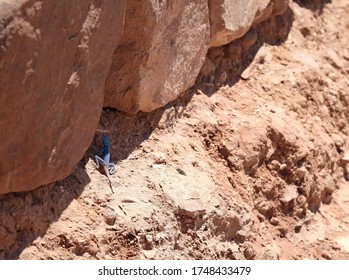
column 231, row 19
column 283, row 167
column 191, row 205
column 246, row 74
column 283, row 230
column 146, row 72
column 249, row 253
column 345, row 158
column 241, row 234
column 149, row 242
column 54, row 59
column 159, row 158
column 249, row 40
column 274, row 221
column 290, row 193
column 300, row 173
column 326, row 256
column 338, row 140
column 272, row 252
column 274, row 165
column 279, row 7
column 263, row 14
column 109, row 216
column 329, row 184
column 149, row 254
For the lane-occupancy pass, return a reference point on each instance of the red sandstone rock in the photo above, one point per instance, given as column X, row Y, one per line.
column 54, row 58
column 160, row 54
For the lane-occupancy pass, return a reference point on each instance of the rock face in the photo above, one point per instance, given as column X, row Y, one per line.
column 54, row 58
column 231, row 19
column 162, row 50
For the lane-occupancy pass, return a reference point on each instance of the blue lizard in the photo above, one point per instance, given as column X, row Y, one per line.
column 104, row 159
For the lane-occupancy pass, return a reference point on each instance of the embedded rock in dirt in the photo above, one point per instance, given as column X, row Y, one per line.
column 231, row 19
column 52, row 74
column 160, row 54
column 190, row 205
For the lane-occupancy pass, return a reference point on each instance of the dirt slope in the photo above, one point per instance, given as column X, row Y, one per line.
column 246, row 167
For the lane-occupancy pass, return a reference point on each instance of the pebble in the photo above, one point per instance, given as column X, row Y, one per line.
column 326, row 256
column 274, row 221
column 159, row 158
column 109, row 217
column 249, row 253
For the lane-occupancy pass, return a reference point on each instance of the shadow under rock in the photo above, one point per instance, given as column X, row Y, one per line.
column 127, row 132
column 313, row 5
column 224, row 65
column 25, row 216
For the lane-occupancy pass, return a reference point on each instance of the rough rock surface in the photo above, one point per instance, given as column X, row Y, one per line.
column 231, row 19
column 160, row 54
column 51, row 84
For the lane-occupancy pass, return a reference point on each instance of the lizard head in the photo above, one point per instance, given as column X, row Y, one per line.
column 106, row 140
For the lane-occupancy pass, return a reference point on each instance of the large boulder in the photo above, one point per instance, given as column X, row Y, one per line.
column 231, row 19
column 162, row 50
column 54, row 58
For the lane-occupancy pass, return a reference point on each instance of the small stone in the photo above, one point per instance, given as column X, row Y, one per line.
column 249, row 253
column 274, row 165
column 159, row 158
column 270, row 255
column 290, row 193
column 260, row 217
column 274, row 221
column 147, row 150
column 345, row 158
column 109, row 216
column 241, row 234
column 326, row 256
column 245, row 75
column 298, row 227
column 338, row 140
column 283, row 167
column 302, row 200
column 283, row 231
column 149, row 254
column 190, row 205
column 329, row 184
column 301, row 172
column 149, row 242
column 181, row 171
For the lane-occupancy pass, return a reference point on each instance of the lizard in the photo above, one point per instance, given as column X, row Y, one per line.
column 104, row 159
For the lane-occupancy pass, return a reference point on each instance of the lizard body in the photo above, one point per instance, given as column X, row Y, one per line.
column 104, row 159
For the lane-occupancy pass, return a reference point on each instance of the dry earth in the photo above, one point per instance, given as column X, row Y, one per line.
column 249, row 164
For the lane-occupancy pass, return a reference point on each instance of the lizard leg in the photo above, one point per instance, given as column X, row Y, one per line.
column 99, row 161
column 111, row 167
